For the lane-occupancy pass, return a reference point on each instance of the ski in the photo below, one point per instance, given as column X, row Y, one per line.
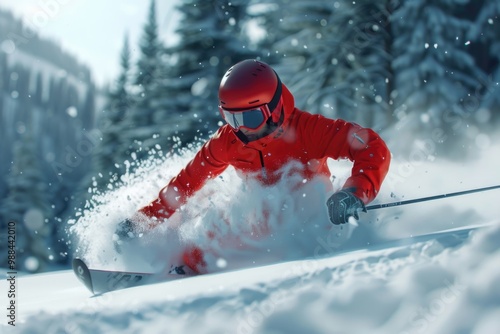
column 100, row 281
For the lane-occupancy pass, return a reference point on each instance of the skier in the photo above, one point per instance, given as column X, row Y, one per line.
column 264, row 131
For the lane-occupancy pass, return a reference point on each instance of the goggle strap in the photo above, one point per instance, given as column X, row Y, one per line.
column 277, row 96
column 276, row 114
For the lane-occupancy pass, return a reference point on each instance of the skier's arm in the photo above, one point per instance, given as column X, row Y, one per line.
column 369, row 153
column 207, row 163
column 371, row 159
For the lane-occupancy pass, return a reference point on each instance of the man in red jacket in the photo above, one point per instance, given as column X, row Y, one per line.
column 264, row 132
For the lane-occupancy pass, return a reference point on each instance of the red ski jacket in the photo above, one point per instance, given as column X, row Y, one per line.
column 303, row 137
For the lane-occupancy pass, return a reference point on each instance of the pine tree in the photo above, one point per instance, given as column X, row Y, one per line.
column 211, row 40
column 26, row 204
column 486, row 33
column 148, row 64
column 334, row 58
column 113, row 148
column 38, row 94
column 87, row 108
column 4, row 147
column 317, row 53
column 3, row 74
column 374, row 80
column 435, row 71
column 268, row 16
column 139, row 125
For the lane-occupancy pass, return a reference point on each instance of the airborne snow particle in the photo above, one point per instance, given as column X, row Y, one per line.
column 8, row 46
column 31, row 263
column 33, row 219
column 221, row 263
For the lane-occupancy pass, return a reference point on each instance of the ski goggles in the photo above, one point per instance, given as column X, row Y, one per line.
column 251, row 119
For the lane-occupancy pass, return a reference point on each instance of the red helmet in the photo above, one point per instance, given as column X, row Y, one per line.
column 248, row 86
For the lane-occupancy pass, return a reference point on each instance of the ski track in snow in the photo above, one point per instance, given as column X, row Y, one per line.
column 447, row 285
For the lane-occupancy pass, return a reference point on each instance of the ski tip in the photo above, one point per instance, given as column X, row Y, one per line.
column 82, row 273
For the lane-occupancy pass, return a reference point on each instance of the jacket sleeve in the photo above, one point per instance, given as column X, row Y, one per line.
column 209, row 162
column 339, row 139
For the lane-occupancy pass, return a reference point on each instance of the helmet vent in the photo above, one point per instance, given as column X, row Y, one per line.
column 229, row 72
column 258, row 70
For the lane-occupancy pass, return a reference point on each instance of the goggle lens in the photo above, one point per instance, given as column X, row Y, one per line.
column 250, row 119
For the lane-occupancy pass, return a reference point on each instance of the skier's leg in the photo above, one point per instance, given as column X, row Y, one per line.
column 193, row 257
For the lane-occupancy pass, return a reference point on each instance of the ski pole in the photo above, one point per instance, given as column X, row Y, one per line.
column 430, row 198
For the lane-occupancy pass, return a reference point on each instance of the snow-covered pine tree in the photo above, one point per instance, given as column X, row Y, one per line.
column 3, row 77
column 26, row 204
column 267, row 16
column 335, row 58
column 4, row 146
column 113, row 149
column 139, row 125
column 210, row 41
column 175, row 99
column 373, row 46
column 486, row 32
column 301, row 23
column 434, row 71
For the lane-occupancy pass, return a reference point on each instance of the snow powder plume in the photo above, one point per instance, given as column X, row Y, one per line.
column 236, row 223
column 95, row 224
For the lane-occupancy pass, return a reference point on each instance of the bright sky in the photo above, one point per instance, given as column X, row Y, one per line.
column 93, row 30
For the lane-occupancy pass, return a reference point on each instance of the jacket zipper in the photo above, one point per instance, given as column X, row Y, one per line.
column 263, row 167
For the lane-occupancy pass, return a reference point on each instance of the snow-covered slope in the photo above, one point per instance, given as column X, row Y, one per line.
column 438, row 286
column 443, row 285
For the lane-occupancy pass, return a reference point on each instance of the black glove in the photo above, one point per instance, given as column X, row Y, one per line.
column 124, row 233
column 342, row 205
column 126, row 229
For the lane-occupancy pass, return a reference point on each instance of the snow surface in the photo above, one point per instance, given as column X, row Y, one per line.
column 295, row 274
